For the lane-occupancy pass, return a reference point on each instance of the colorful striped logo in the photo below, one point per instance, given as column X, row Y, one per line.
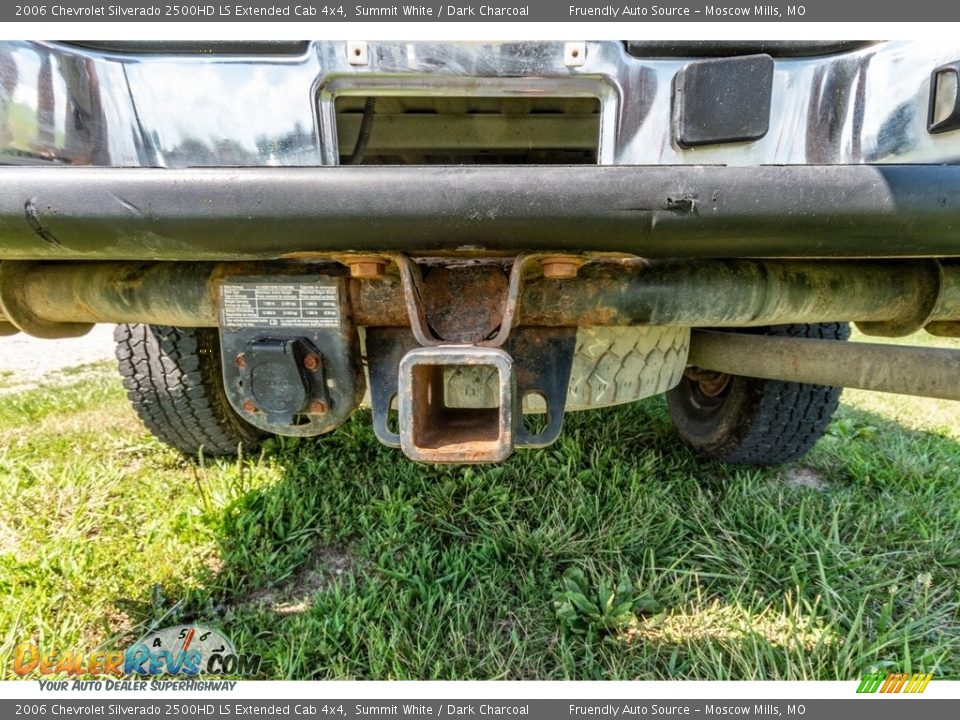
column 894, row 682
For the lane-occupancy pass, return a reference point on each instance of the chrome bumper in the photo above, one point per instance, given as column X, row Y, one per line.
column 63, row 104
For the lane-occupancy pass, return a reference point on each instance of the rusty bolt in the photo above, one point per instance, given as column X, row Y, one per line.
column 312, row 362
column 561, row 267
column 250, row 407
column 366, row 268
column 241, row 360
column 317, row 407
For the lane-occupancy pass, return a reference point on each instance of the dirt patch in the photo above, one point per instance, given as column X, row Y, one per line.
column 121, row 627
column 732, row 624
column 101, row 421
column 804, row 477
column 325, row 566
column 27, row 362
column 8, row 541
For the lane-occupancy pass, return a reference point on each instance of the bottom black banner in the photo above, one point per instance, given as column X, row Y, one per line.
column 880, row 708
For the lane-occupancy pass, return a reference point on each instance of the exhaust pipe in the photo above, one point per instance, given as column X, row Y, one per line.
column 925, row 372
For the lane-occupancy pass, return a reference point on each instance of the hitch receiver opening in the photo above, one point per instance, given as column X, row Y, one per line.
column 430, row 431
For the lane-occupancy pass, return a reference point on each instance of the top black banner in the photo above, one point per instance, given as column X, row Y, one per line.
column 494, row 11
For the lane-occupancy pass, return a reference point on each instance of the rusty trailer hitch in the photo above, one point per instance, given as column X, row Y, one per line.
column 430, row 428
column 430, row 431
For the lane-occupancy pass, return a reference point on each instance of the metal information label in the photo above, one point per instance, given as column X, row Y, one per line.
column 274, row 305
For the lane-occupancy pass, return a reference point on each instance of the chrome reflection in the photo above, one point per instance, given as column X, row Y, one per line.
column 69, row 105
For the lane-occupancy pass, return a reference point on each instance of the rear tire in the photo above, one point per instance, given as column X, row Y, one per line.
column 749, row 421
column 174, row 380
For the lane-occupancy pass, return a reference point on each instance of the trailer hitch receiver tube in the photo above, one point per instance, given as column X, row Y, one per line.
column 430, row 431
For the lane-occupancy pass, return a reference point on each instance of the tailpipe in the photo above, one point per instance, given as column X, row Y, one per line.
column 924, row 372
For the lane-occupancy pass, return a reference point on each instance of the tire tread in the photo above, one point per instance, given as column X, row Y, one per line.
column 173, row 380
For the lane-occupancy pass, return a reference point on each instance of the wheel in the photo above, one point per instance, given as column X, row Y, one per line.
column 174, row 381
column 749, row 421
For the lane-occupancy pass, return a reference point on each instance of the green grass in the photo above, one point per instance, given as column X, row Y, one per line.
column 614, row 554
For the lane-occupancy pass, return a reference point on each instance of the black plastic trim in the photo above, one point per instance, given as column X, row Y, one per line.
column 952, row 121
column 722, row 100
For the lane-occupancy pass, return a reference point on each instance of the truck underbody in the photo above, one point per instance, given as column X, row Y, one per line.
column 475, row 238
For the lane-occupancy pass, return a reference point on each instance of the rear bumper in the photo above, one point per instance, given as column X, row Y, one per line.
column 659, row 211
column 183, row 105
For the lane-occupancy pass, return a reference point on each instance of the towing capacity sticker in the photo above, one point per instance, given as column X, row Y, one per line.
column 270, row 305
